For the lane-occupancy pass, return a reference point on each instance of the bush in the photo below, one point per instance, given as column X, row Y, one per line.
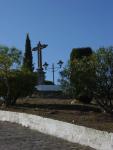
column 104, row 79
column 47, row 82
column 82, row 73
column 78, row 80
column 83, row 78
column 65, row 84
column 21, row 84
column 91, row 77
column 85, row 99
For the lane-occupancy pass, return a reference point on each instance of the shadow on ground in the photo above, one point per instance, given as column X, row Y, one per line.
column 79, row 107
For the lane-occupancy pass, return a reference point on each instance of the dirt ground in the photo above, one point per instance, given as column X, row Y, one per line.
column 63, row 110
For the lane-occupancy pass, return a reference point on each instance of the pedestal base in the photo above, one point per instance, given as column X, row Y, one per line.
column 41, row 77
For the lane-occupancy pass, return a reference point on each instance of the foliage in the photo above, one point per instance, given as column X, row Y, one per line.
column 66, row 86
column 14, row 83
column 83, row 78
column 92, row 76
column 27, row 61
column 104, row 79
column 21, row 84
column 82, row 73
column 78, row 53
column 47, row 82
column 9, row 59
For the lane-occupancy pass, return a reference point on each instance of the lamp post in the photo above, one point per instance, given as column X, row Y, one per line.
column 53, row 68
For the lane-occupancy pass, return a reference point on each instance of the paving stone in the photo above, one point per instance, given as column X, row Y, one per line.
column 16, row 137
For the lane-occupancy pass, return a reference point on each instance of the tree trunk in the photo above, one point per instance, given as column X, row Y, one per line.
column 7, row 100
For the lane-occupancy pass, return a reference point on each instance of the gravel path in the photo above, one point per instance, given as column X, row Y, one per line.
column 16, row 137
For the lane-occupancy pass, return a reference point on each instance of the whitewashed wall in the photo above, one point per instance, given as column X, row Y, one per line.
column 48, row 88
column 99, row 140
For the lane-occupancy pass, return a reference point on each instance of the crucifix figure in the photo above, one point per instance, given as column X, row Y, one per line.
column 40, row 68
column 39, row 50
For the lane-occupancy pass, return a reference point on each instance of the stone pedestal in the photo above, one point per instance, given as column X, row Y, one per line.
column 41, row 77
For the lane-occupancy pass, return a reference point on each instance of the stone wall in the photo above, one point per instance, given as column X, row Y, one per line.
column 99, row 140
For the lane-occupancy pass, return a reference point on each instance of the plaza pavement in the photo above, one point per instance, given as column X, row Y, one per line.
column 16, row 137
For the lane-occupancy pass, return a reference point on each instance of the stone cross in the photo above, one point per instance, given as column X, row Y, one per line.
column 39, row 50
column 40, row 68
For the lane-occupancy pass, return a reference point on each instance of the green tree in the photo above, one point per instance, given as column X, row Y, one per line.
column 83, row 78
column 14, row 83
column 27, row 61
column 93, row 75
column 104, row 79
column 20, row 84
column 82, row 73
column 9, row 58
column 64, row 80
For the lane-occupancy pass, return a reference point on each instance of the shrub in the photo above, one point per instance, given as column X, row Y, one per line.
column 85, row 99
column 47, row 82
column 104, row 79
column 21, row 84
column 82, row 78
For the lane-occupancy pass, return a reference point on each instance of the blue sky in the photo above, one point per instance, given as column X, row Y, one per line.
column 62, row 24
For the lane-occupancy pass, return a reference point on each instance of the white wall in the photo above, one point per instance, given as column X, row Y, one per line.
column 48, row 88
column 99, row 140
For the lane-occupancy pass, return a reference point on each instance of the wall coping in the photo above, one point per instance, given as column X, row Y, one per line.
column 100, row 140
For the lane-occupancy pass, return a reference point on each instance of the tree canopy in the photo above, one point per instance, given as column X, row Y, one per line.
column 28, row 60
column 14, row 82
column 92, row 77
